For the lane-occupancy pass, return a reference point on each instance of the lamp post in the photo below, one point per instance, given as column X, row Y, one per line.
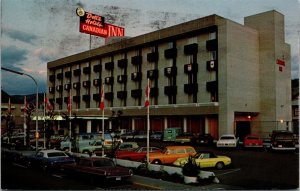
column 36, row 103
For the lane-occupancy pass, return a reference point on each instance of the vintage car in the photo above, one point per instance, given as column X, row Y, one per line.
column 96, row 145
column 138, row 154
column 170, row 154
column 128, row 135
column 205, row 139
column 228, row 140
column 252, row 141
column 206, row 159
column 283, row 140
column 98, row 169
column 157, row 135
column 140, row 135
column 185, row 138
column 49, row 159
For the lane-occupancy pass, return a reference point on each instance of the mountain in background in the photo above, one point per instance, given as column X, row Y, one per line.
column 19, row 99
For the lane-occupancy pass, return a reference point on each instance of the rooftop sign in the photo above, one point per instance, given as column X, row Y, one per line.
column 95, row 25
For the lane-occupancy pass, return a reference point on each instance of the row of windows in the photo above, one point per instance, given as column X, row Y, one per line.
column 190, row 49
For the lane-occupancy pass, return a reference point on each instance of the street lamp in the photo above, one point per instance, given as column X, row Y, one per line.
column 36, row 103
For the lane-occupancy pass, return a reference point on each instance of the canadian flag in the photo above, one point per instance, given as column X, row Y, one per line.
column 47, row 104
column 102, row 98
column 69, row 103
column 25, row 105
column 147, row 95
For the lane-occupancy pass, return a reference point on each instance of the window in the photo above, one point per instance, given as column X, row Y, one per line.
column 190, row 150
column 212, row 35
column 180, row 151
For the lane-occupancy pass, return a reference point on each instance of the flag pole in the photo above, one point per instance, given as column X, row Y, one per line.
column 102, row 108
column 44, row 120
column 24, row 125
column 70, row 122
column 148, row 118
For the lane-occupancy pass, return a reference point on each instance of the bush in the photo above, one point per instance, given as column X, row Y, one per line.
column 190, row 168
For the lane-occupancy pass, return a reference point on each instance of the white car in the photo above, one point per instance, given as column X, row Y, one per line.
column 228, row 140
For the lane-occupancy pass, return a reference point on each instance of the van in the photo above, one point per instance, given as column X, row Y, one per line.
column 170, row 134
column 283, row 140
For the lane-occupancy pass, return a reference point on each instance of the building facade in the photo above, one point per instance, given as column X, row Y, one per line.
column 209, row 75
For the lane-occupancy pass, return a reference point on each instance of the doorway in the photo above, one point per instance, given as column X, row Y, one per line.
column 243, row 128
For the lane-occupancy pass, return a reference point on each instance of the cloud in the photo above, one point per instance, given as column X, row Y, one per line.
column 19, row 35
column 13, row 56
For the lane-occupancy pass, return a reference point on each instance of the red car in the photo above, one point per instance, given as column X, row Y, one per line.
column 137, row 154
column 253, row 141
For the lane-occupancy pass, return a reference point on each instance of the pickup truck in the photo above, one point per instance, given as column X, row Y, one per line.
column 97, row 169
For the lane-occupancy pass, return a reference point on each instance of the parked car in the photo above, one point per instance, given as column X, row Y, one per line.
column 171, row 153
column 140, row 135
column 283, row 140
column 157, row 135
column 228, row 140
column 206, row 159
column 127, row 136
column 138, row 154
column 98, row 169
column 205, row 139
column 49, row 159
column 253, row 141
column 127, row 146
column 94, row 146
column 185, row 138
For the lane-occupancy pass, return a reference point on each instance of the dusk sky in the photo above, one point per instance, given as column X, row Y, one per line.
column 34, row 32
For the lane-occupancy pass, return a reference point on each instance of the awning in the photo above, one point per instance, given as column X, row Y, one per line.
column 60, row 118
column 42, row 118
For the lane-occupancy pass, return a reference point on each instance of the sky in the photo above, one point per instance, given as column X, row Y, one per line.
column 34, row 32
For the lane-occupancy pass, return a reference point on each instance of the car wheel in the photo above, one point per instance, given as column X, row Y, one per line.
column 219, row 165
column 156, row 161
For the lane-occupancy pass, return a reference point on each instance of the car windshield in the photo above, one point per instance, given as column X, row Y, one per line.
column 165, row 151
column 103, row 162
column 252, row 138
column 226, row 137
column 56, row 154
column 284, row 137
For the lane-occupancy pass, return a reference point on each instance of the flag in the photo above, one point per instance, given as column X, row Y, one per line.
column 25, row 105
column 147, row 94
column 9, row 105
column 48, row 105
column 69, row 103
column 102, row 98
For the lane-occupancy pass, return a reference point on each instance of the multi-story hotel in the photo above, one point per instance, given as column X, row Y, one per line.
column 209, row 75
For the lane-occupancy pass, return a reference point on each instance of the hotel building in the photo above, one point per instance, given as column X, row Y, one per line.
column 209, row 75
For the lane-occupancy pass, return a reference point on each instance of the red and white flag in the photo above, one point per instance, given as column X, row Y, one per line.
column 147, row 95
column 69, row 103
column 25, row 105
column 102, row 98
column 48, row 105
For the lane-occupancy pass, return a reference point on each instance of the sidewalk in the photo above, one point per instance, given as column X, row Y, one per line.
column 157, row 184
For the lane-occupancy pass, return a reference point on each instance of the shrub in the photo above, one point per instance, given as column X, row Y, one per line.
column 190, row 168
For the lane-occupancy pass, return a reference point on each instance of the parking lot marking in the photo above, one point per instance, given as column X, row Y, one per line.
column 19, row 165
column 57, row 176
column 232, row 171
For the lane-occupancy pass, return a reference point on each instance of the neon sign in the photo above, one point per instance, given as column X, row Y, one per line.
column 95, row 25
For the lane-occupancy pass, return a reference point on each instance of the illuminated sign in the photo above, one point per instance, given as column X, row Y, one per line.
column 280, row 62
column 94, row 25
